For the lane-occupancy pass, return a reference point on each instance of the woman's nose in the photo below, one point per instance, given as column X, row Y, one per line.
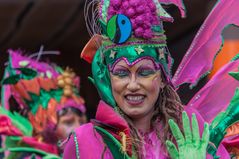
column 133, row 84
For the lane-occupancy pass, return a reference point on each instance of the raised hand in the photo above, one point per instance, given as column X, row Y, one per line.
column 189, row 144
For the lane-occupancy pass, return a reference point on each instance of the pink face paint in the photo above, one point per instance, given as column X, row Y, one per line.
column 157, row 66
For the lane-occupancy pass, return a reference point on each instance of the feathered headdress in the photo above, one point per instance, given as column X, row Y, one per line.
column 40, row 90
column 129, row 30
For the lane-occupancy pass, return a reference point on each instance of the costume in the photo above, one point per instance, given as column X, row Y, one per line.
column 32, row 94
column 126, row 34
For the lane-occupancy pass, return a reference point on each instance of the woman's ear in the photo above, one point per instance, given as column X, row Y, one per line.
column 162, row 81
column 163, row 84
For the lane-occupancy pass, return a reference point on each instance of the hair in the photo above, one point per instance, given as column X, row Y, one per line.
column 64, row 111
column 168, row 106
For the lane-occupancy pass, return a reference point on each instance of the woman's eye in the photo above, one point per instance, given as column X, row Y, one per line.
column 146, row 72
column 121, row 73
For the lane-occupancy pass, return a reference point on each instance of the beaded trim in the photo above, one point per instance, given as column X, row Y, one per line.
column 136, row 61
column 160, row 42
column 77, row 145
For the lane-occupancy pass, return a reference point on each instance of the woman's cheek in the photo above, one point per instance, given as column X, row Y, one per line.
column 152, row 83
column 118, row 85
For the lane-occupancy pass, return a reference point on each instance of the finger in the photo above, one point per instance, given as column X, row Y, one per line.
column 205, row 135
column 176, row 132
column 172, row 150
column 195, row 130
column 187, row 128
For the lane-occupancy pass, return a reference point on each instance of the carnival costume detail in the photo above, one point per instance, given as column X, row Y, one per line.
column 38, row 90
column 132, row 30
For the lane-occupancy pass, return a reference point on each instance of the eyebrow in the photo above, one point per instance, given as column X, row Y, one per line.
column 119, row 66
column 147, row 66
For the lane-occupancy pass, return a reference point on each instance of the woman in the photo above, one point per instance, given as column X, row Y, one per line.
column 140, row 115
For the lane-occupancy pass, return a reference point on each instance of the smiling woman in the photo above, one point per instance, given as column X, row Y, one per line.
column 140, row 114
column 139, row 92
column 135, row 89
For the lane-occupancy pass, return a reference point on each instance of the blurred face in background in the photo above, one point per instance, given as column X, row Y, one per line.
column 68, row 120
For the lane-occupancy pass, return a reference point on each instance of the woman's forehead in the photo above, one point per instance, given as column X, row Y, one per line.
column 139, row 63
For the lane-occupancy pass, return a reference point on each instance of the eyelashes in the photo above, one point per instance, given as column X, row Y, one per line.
column 146, row 72
column 121, row 73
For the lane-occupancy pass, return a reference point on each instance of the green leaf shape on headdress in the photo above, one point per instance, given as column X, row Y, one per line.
column 43, row 99
column 26, row 73
column 132, row 55
column 19, row 121
column 101, row 77
column 113, row 144
column 11, row 80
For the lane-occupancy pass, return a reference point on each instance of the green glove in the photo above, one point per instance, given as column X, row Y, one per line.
column 101, row 79
column 190, row 145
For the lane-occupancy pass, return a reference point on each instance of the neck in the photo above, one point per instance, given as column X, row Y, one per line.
column 144, row 123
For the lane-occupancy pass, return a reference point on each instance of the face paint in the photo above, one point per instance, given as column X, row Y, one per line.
column 136, row 88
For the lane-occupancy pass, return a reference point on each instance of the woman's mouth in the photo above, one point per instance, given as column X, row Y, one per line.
column 135, row 99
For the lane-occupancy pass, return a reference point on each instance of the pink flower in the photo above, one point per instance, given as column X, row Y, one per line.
column 130, row 12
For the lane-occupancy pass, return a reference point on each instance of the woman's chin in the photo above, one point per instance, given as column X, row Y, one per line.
column 136, row 113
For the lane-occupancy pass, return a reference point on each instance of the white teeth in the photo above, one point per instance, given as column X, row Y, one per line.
column 134, row 98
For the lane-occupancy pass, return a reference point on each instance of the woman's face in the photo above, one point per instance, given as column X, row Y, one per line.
column 136, row 88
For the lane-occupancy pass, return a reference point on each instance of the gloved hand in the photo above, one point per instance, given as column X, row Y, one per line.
column 190, row 145
column 101, row 79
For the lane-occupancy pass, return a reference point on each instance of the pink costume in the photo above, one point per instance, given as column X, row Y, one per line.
column 91, row 141
column 88, row 144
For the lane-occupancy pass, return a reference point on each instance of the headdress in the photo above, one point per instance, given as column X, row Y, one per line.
column 131, row 30
column 40, row 90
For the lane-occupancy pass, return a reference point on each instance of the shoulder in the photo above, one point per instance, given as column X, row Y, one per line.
column 82, row 142
column 84, row 130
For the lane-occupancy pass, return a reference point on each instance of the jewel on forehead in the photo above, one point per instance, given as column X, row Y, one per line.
column 112, row 54
column 161, row 53
column 139, row 50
